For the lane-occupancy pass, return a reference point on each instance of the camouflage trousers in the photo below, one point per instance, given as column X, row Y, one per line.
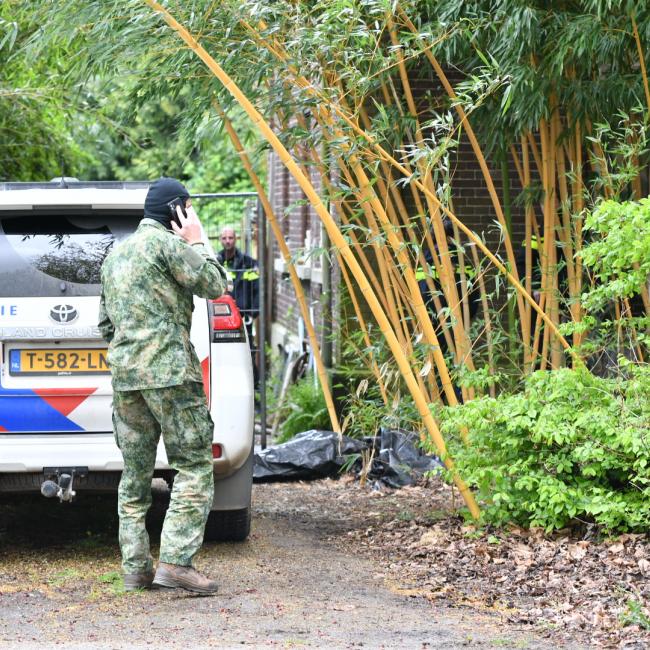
column 181, row 415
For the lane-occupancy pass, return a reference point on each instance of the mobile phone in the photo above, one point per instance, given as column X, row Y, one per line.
column 172, row 209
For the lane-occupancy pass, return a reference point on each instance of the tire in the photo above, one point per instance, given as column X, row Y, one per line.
column 228, row 525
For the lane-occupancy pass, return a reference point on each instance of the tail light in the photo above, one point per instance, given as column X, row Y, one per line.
column 226, row 321
column 217, row 451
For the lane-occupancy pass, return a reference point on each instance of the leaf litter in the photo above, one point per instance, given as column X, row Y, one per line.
column 571, row 586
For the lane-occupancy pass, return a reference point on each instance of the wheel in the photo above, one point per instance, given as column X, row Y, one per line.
column 228, row 525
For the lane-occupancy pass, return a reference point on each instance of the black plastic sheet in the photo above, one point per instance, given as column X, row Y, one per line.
column 309, row 455
column 398, row 459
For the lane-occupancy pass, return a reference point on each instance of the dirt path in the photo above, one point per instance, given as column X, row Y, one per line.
column 291, row 585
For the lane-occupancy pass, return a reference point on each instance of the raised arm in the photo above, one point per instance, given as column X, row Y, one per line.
column 191, row 263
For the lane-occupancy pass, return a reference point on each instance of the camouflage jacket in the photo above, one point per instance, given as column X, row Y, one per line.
column 145, row 313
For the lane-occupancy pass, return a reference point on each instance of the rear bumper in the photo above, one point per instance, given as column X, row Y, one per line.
column 98, row 452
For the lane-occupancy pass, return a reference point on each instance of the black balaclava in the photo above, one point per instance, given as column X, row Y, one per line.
column 160, row 193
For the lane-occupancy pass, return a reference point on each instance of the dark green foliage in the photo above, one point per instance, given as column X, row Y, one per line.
column 35, row 111
column 304, row 409
column 570, row 447
column 581, row 53
column 88, row 97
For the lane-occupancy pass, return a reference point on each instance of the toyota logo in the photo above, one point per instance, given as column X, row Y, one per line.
column 63, row 313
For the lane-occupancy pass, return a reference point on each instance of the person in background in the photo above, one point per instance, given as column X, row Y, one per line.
column 243, row 273
column 428, row 295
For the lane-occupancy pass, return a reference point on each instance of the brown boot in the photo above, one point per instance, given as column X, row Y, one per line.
column 135, row 581
column 174, row 576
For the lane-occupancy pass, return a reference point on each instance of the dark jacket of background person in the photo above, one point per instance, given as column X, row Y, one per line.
column 428, row 295
column 244, row 275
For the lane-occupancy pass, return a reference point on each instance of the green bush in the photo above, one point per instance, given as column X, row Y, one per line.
column 619, row 256
column 304, row 409
column 570, row 448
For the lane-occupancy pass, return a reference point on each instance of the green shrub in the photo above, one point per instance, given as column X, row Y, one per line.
column 619, row 256
column 570, row 447
column 304, row 409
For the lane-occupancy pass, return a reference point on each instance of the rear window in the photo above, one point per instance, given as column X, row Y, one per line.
column 58, row 254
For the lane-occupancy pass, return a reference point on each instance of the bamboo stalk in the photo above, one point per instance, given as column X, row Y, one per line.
column 393, row 215
column 368, row 197
column 365, row 262
column 599, row 163
column 517, row 162
column 556, row 352
column 644, row 73
column 567, row 239
column 551, row 244
column 548, row 248
column 487, row 318
column 536, row 155
column 364, row 329
column 476, row 148
column 387, row 287
column 338, row 240
column 528, row 279
column 386, row 290
column 395, row 208
column 578, row 205
column 303, row 83
column 286, row 254
column 544, row 256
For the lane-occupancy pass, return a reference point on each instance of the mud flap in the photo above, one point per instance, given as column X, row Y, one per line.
column 234, row 491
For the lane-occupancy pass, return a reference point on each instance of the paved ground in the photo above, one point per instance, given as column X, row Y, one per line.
column 290, row 586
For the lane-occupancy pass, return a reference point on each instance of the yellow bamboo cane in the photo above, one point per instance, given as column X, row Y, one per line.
column 447, row 274
column 398, row 214
column 336, row 238
column 340, row 207
column 577, row 192
column 371, row 204
column 469, row 233
column 513, row 279
column 286, row 254
column 398, row 246
column 390, row 298
column 364, row 329
column 477, row 152
column 644, row 74
column 566, row 230
column 556, row 352
column 546, row 250
column 368, row 199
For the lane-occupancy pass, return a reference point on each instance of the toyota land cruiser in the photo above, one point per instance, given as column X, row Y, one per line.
column 55, row 391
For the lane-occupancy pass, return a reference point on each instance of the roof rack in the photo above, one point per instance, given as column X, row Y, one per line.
column 70, row 183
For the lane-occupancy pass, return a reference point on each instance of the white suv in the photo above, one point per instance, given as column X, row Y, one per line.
column 55, row 390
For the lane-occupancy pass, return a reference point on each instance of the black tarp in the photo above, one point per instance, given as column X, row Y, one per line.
column 309, row 455
column 398, row 459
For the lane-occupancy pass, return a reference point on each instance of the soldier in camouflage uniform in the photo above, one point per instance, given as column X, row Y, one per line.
column 148, row 283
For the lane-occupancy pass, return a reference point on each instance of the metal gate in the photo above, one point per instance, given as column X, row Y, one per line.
column 249, row 221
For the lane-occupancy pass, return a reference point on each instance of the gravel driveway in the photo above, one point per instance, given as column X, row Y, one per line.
column 291, row 585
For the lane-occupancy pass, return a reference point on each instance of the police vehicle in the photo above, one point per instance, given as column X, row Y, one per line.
column 56, row 431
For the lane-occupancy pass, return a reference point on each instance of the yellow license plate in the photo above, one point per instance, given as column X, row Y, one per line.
column 55, row 361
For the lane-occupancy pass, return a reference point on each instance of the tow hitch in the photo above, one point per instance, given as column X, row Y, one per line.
column 59, row 482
